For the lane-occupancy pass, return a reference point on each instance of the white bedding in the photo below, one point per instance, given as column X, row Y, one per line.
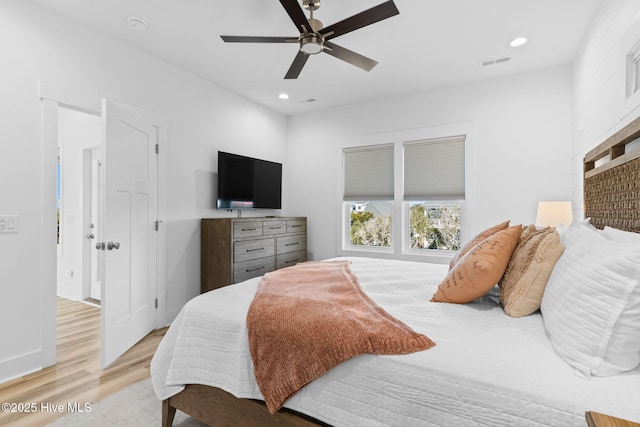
column 487, row 368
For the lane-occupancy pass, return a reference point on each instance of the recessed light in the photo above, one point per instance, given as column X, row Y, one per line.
column 283, row 96
column 136, row 23
column 518, row 41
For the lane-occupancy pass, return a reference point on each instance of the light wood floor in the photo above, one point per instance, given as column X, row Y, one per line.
column 76, row 377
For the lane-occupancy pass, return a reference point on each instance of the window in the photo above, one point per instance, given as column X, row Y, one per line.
column 370, row 224
column 368, row 195
column 434, row 175
column 434, row 225
column 633, row 71
column 421, row 181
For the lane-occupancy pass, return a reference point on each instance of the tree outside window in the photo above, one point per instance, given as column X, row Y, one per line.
column 371, row 224
column 434, row 226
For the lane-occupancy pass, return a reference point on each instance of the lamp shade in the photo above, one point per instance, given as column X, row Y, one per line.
column 552, row 214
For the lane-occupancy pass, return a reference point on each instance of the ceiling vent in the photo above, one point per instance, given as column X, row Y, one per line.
column 495, row 61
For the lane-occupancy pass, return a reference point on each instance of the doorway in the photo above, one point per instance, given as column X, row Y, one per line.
column 54, row 99
column 78, row 204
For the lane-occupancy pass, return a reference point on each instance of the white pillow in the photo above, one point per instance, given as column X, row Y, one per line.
column 591, row 304
column 562, row 228
column 621, row 235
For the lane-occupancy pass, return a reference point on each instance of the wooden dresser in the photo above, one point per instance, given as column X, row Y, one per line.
column 237, row 249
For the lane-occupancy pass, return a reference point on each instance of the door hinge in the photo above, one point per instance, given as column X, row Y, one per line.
column 157, row 226
column 157, row 148
column 156, row 302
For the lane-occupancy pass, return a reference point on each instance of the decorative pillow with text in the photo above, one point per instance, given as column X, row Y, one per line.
column 477, row 239
column 479, row 269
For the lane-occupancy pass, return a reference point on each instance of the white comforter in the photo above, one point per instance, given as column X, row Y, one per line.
column 487, row 369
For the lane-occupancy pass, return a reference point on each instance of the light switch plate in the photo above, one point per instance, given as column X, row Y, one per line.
column 9, row 223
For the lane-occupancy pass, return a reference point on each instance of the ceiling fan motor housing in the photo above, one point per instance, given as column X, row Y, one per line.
column 312, row 42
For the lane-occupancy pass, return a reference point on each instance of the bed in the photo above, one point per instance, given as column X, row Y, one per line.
column 487, row 368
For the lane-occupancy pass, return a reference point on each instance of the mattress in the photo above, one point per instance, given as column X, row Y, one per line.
column 487, row 369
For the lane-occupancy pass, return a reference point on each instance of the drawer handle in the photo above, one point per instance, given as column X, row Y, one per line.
column 248, row 229
column 256, row 249
column 251, row 270
column 275, row 228
column 296, row 226
column 293, row 260
column 292, row 244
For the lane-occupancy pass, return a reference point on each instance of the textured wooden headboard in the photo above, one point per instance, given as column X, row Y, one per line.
column 612, row 189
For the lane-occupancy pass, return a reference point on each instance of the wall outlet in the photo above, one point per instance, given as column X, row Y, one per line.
column 9, row 223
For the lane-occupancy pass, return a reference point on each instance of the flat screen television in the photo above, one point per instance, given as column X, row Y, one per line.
column 248, row 183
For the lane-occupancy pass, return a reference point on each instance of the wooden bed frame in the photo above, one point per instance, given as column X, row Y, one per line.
column 611, row 197
column 217, row 407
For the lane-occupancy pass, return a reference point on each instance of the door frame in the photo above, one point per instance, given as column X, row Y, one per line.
column 52, row 96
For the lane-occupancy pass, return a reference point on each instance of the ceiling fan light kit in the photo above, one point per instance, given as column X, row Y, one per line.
column 314, row 38
column 311, row 43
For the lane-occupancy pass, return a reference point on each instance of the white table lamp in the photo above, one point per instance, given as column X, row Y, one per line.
column 552, row 214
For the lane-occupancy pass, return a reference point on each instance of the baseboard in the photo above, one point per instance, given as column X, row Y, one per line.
column 20, row 366
column 69, row 293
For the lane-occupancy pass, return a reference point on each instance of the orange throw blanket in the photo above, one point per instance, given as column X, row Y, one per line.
column 306, row 319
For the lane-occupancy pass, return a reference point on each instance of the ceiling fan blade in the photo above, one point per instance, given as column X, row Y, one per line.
column 258, row 39
column 296, row 67
column 297, row 15
column 370, row 16
column 349, row 56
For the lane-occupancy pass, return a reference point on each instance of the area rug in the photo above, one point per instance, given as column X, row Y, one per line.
column 135, row 405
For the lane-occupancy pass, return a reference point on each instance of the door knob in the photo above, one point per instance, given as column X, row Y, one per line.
column 100, row 246
column 112, row 245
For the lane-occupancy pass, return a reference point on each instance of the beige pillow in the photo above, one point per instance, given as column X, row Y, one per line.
column 479, row 238
column 479, row 269
column 526, row 276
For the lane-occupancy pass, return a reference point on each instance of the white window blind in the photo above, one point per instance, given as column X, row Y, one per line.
column 434, row 169
column 368, row 173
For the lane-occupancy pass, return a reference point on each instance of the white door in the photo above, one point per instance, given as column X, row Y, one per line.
column 127, row 231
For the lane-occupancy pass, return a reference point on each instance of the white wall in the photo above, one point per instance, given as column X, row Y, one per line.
column 522, row 148
column 600, row 107
column 38, row 45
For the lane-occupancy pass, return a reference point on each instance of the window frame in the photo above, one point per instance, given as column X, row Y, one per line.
column 400, row 208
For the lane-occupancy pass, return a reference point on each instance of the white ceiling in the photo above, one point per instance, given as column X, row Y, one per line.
column 429, row 44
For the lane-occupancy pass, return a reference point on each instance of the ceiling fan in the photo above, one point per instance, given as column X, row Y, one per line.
column 314, row 38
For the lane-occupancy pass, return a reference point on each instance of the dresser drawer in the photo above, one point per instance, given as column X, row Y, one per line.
column 253, row 268
column 296, row 226
column 247, row 229
column 253, row 249
column 288, row 244
column 292, row 258
column 269, row 228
